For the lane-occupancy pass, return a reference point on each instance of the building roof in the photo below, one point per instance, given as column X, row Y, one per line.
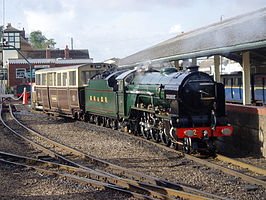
column 10, row 28
column 239, row 33
column 49, row 61
column 58, row 53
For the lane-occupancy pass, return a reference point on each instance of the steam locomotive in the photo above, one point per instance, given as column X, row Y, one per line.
column 166, row 106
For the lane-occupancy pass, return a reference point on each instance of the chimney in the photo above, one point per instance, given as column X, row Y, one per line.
column 48, row 53
column 66, row 52
column 8, row 25
column 23, row 33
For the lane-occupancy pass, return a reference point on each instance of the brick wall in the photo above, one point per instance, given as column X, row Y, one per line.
column 249, row 136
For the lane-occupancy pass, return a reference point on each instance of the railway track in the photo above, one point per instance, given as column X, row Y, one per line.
column 100, row 172
column 247, row 172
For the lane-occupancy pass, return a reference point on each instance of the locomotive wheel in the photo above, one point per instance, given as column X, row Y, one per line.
column 187, row 145
column 114, row 124
column 134, row 131
column 155, row 136
column 144, row 133
column 91, row 119
column 108, row 123
column 97, row 120
column 134, row 128
column 174, row 146
column 103, row 122
column 165, row 139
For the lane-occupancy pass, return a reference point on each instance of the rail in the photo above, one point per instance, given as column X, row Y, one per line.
column 157, row 187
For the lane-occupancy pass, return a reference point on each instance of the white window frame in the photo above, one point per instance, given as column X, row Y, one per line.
column 22, row 69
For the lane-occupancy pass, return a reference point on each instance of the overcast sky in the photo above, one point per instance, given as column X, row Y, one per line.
column 118, row 28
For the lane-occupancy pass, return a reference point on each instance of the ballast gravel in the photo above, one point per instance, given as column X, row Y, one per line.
column 126, row 151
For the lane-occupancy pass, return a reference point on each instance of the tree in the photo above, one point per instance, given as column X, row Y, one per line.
column 50, row 43
column 39, row 41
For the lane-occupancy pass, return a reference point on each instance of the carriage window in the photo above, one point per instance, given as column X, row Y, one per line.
column 38, row 79
column 258, row 81
column 72, row 78
column 54, row 79
column 64, row 79
column 234, row 81
column 239, row 81
column 50, row 79
column 43, row 79
column 225, row 81
column 58, row 79
column 229, row 83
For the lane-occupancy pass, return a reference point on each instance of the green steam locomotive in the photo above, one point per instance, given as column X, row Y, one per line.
column 167, row 106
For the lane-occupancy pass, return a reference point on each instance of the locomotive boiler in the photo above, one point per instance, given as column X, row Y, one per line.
column 166, row 106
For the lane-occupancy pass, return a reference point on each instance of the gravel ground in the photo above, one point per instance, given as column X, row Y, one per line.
column 23, row 184
column 17, row 183
column 140, row 156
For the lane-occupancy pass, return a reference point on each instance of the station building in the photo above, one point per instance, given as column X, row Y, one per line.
column 20, row 60
column 19, row 70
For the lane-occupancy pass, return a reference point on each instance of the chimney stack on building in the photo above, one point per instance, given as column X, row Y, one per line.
column 66, row 52
column 48, row 53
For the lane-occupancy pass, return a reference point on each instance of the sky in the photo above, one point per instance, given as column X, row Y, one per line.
column 118, row 28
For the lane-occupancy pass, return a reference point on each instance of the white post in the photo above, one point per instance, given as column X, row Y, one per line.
column 246, row 78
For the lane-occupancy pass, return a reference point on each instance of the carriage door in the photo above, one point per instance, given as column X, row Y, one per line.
column 45, row 92
column 120, row 98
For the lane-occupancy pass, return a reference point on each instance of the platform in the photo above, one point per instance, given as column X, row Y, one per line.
column 249, row 136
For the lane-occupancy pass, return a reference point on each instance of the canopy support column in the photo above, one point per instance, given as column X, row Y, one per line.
column 246, row 78
column 217, row 73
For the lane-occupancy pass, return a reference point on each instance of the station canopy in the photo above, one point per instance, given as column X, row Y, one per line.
column 228, row 38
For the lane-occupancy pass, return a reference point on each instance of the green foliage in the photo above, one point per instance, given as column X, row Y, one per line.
column 39, row 41
column 51, row 43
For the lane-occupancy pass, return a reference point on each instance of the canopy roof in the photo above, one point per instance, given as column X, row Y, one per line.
column 228, row 38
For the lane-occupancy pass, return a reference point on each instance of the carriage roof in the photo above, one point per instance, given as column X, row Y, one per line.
column 68, row 68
